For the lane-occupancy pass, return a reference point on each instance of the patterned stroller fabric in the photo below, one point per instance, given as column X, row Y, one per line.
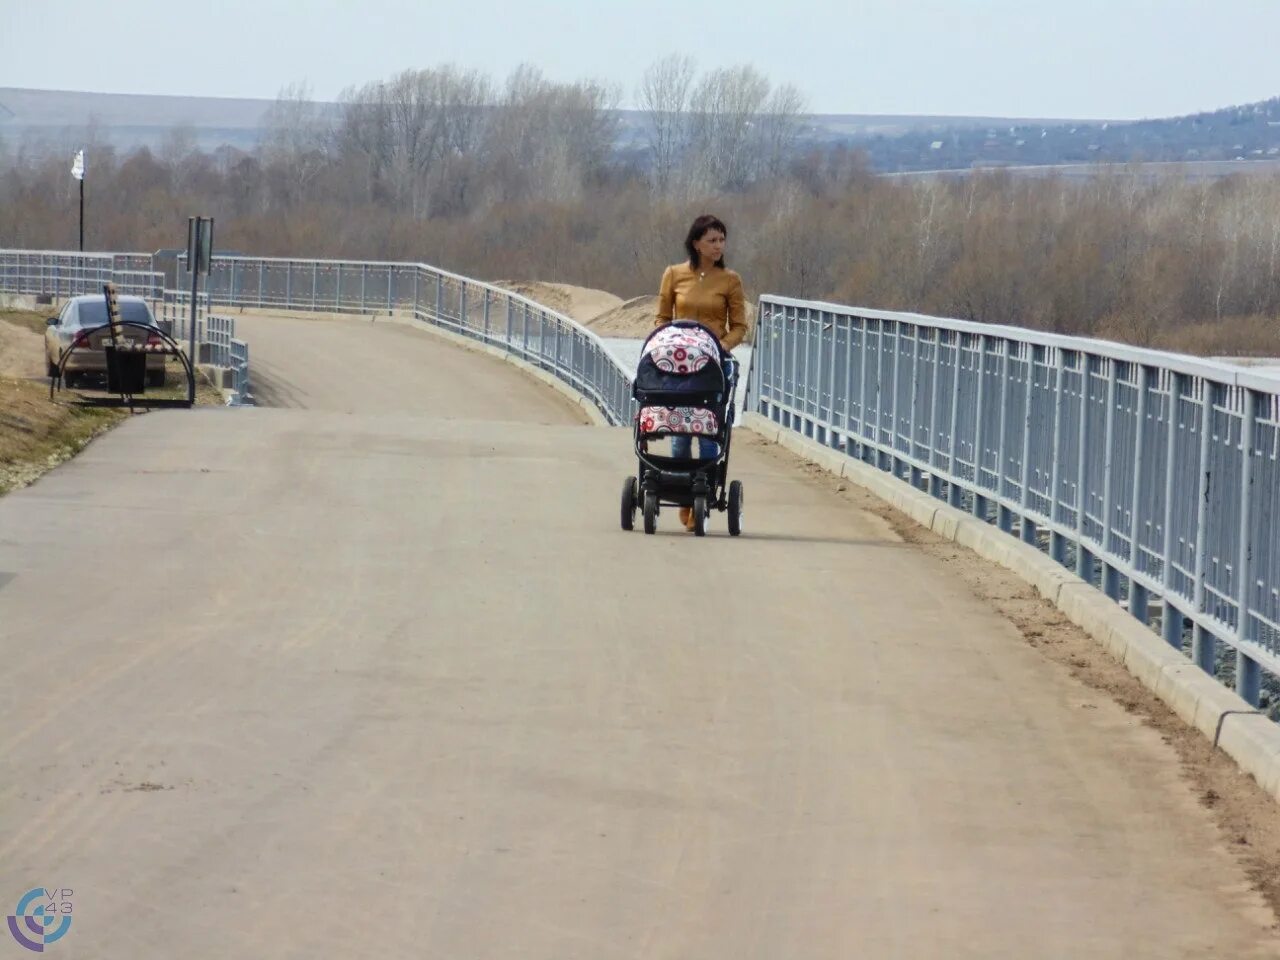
column 684, row 420
column 683, row 350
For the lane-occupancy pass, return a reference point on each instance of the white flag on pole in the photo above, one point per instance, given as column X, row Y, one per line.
column 77, row 168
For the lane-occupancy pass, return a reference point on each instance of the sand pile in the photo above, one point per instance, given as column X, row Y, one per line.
column 580, row 303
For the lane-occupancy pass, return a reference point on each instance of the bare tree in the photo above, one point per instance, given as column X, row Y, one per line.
column 297, row 139
column 548, row 140
column 664, row 97
column 778, row 131
column 726, row 105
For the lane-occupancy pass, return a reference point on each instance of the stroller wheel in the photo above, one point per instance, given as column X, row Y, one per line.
column 650, row 513
column 629, row 504
column 735, row 508
column 700, row 516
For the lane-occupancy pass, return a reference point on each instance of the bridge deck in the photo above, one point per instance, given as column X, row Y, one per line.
column 381, row 672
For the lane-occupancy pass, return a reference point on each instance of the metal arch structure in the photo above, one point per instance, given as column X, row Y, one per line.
column 83, row 336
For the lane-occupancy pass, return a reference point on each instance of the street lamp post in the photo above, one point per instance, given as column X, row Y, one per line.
column 77, row 171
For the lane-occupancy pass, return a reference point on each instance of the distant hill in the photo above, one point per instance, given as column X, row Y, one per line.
column 57, row 121
column 1243, row 133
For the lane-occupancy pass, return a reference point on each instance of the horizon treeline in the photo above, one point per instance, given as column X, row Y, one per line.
column 529, row 179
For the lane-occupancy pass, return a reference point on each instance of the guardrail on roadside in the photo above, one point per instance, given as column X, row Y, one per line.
column 1153, row 475
column 67, row 274
column 481, row 311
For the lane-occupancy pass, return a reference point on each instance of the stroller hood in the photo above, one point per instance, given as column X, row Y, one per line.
column 680, row 359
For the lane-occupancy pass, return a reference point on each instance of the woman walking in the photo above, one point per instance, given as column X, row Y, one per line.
column 703, row 289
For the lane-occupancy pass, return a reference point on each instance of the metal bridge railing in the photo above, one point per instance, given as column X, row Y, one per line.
column 67, row 273
column 1152, row 475
column 1156, row 477
column 481, row 311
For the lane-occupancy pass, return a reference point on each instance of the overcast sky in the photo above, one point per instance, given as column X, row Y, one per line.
column 1118, row 59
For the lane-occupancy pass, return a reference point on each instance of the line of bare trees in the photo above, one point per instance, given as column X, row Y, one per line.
column 536, row 179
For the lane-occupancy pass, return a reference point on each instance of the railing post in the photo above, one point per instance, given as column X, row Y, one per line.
column 1084, row 559
column 487, row 301
column 802, row 375
column 954, row 490
column 1110, row 576
column 831, row 382
column 881, row 456
column 1203, row 645
column 1171, row 619
column 1057, row 542
column 1004, row 519
column 784, row 349
column 979, row 501
column 894, row 413
column 862, row 413
column 1139, row 598
column 1027, row 529
column 915, row 390
column 1248, row 674
column 935, row 483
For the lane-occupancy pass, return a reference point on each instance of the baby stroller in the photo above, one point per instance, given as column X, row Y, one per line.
column 685, row 387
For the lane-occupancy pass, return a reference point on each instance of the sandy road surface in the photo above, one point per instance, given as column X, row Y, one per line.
column 398, row 686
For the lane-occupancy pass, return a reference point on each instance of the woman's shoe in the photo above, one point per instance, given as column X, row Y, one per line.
column 686, row 517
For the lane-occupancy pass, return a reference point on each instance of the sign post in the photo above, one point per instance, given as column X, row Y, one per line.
column 199, row 255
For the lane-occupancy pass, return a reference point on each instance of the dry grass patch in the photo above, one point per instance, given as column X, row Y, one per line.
column 36, row 435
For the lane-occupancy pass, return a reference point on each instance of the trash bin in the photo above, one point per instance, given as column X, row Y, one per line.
column 126, row 371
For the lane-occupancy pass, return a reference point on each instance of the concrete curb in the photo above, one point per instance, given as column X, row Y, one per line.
column 1245, row 735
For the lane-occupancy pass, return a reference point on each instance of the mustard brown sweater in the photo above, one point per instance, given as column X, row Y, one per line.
column 712, row 296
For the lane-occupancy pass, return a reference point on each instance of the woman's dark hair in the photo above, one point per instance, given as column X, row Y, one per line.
column 697, row 232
